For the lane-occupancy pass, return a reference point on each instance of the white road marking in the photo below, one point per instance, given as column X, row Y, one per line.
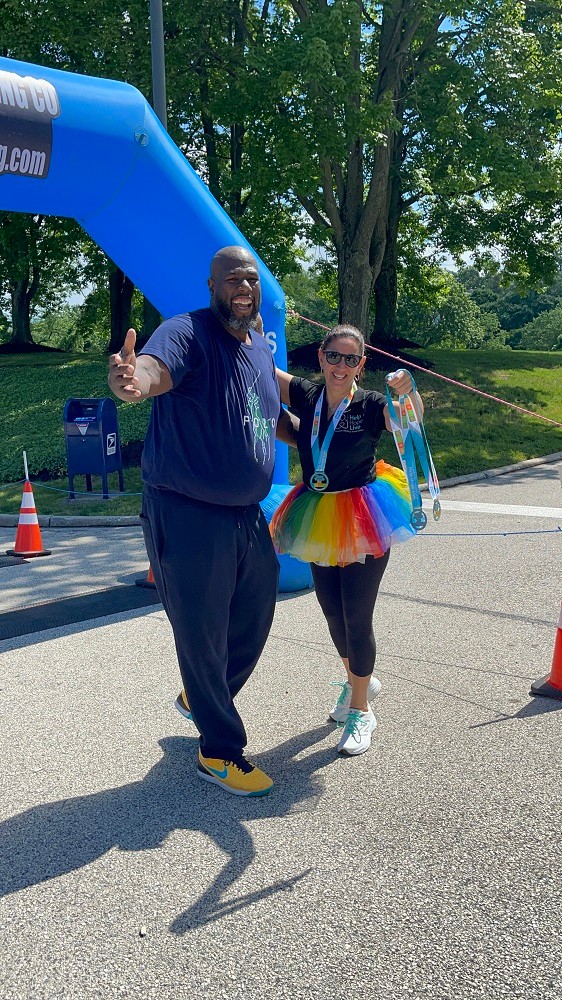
column 518, row 510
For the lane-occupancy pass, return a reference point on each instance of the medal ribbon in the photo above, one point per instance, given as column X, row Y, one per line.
column 320, row 454
column 410, row 439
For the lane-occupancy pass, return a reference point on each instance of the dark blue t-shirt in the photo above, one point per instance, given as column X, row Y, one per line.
column 212, row 436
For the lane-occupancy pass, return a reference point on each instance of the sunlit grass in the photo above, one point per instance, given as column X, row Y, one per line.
column 467, row 433
column 52, row 497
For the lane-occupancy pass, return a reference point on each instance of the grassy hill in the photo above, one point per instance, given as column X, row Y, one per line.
column 467, row 433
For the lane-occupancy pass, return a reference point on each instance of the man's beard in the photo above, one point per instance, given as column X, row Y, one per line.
column 242, row 324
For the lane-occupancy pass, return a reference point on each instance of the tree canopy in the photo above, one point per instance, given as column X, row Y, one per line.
column 340, row 122
column 454, row 110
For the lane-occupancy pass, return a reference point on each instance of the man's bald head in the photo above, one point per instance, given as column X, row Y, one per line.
column 235, row 288
column 228, row 258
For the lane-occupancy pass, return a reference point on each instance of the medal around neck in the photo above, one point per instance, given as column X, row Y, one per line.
column 319, row 481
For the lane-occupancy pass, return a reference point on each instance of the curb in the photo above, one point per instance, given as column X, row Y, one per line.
column 132, row 520
column 474, row 477
column 60, row 521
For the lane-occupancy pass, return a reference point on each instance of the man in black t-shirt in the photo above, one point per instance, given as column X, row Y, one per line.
column 207, row 462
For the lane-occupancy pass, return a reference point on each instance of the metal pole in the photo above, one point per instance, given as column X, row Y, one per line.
column 158, row 62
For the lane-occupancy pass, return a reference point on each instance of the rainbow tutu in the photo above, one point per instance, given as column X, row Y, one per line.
column 335, row 529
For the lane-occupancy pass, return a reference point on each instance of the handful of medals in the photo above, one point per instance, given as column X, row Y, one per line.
column 410, row 438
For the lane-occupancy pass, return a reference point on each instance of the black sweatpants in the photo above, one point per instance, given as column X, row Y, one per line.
column 216, row 573
column 347, row 596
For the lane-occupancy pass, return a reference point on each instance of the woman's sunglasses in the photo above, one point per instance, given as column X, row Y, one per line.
column 334, row 358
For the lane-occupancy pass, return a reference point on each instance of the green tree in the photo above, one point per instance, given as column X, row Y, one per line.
column 378, row 107
column 335, row 120
column 218, row 98
column 211, row 108
column 58, row 328
column 444, row 315
column 39, row 267
column 308, row 293
column 544, row 333
column 514, row 305
column 105, row 39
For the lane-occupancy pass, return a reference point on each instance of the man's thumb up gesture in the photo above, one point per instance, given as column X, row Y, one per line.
column 122, row 379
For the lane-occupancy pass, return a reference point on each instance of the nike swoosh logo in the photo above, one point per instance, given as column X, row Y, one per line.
column 219, row 774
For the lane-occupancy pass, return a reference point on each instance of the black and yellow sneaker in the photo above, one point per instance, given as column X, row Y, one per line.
column 236, row 776
column 182, row 705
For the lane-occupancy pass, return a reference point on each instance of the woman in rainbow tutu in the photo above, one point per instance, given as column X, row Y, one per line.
column 346, row 513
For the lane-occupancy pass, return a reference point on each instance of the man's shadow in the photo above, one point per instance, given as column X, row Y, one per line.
column 50, row 840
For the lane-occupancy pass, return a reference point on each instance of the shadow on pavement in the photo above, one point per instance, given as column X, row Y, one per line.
column 50, row 840
column 536, row 706
column 431, row 603
column 75, row 610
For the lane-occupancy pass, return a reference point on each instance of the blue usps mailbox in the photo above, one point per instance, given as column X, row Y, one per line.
column 92, row 442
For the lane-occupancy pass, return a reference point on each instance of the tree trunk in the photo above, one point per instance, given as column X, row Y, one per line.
column 386, row 295
column 355, row 284
column 120, row 298
column 237, row 133
column 238, row 129
column 151, row 318
column 386, row 283
column 209, row 134
column 361, row 249
column 22, row 293
column 386, row 286
column 357, row 190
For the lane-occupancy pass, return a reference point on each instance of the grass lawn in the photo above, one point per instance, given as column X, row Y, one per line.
column 467, row 433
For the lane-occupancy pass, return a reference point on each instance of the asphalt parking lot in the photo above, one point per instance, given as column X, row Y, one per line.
column 428, row 868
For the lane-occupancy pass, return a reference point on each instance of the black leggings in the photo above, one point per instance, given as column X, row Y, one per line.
column 347, row 596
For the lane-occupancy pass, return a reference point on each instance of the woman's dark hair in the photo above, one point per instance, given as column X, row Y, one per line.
column 345, row 330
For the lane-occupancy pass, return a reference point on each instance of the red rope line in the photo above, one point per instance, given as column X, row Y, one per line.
column 452, row 381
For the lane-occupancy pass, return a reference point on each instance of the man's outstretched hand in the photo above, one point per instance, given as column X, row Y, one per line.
column 122, row 379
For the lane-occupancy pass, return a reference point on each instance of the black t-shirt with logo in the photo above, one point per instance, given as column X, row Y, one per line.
column 212, row 436
column 351, row 455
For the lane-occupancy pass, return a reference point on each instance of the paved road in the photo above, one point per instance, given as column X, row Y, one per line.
column 429, row 868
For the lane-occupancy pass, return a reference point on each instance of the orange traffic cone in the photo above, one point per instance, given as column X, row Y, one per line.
column 147, row 581
column 551, row 685
column 28, row 535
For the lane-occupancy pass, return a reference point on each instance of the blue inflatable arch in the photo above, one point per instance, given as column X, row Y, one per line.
column 93, row 150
